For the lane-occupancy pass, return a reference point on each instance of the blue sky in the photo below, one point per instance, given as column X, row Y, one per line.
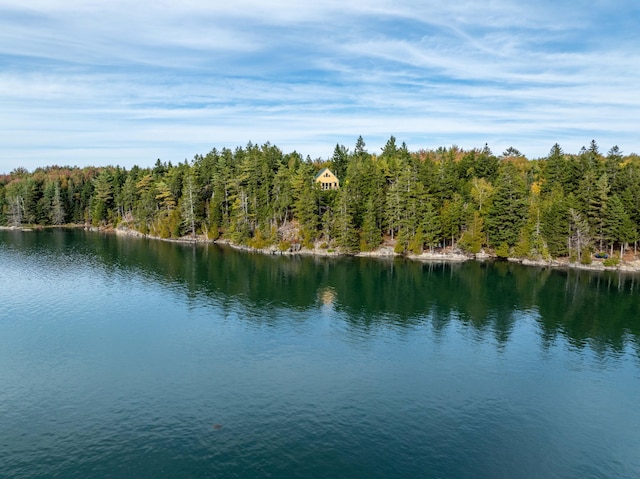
column 120, row 82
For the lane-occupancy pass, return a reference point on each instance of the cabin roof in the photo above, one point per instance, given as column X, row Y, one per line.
column 322, row 171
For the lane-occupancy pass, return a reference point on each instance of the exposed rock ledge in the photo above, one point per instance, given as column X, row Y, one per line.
column 440, row 256
column 597, row 265
column 385, row 251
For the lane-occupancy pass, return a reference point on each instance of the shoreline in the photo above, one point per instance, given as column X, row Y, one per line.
column 384, row 251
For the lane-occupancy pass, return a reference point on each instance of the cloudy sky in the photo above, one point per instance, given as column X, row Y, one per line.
column 99, row 82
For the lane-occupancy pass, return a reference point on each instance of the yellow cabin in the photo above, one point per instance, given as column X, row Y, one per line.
column 327, row 180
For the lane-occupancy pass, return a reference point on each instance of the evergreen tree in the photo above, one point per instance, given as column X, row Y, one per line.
column 580, row 239
column 340, row 161
column 559, row 205
column 430, row 226
column 360, row 147
column 554, row 169
column 453, row 215
column 281, row 194
column 597, row 209
column 618, row 227
column 554, row 222
column 305, row 203
column 394, row 207
column 390, row 149
column 508, row 210
column 346, row 234
column 57, row 207
column 146, row 204
column 371, row 236
column 447, row 179
column 102, row 197
column 474, row 237
column 189, row 199
column 127, row 198
column 613, row 160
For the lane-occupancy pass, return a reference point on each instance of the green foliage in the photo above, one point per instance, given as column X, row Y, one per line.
column 102, row 198
column 370, row 237
column 508, row 210
column 345, row 230
column 502, row 251
column 339, row 161
column 453, row 216
column 473, row 239
column 213, row 232
column 479, row 164
column 284, row 246
column 259, row 241
column 416, row 244
column 401, row 243
column 554, row 169
column 481, row 192
column 580, row 239
column 573, row 256
column 305, row 203
column 612, row 261
column 430, row 227
column 554, row 222
column 523, row 247
column 560, row 206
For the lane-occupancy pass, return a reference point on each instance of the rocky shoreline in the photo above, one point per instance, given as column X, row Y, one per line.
column 384, row 251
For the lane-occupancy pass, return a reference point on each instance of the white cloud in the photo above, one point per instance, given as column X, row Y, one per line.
column 126, row 83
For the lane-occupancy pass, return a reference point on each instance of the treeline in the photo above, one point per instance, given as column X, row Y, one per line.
column 561, row 205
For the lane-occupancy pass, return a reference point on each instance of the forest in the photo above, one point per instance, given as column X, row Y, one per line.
column 570, row 205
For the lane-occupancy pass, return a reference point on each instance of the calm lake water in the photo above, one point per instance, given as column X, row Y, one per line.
column 123, row 357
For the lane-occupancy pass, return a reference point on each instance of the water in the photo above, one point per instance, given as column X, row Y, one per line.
column 123, row 357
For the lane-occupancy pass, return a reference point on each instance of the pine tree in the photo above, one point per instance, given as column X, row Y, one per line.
column 508, row 210
column 580, row 239
column 57, row 207
column 305, row 203
column 597, row 209
column 618, row 227
column 371, row 236
column 360, row 146
column 346, row 235
column 390, row 149
column 340, row 161
column 102, row 197
column 126, row 200
column 554, row 222
column 553, row 169
column 430, row 226
column 394, row 208
column 453, row 216
column 146, row 204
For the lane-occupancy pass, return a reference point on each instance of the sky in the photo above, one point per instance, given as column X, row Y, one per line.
column 127, row 82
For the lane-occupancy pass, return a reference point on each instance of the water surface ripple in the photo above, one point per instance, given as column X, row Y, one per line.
column 122, row 357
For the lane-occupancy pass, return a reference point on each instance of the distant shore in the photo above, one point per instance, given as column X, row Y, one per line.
column 384, row 251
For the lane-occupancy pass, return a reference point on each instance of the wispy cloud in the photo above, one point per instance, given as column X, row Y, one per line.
column 120, row 82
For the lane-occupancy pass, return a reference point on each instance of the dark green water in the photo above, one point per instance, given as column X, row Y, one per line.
column 130, row 358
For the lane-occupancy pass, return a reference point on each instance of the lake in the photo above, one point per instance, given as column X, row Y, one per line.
column 134, row 358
